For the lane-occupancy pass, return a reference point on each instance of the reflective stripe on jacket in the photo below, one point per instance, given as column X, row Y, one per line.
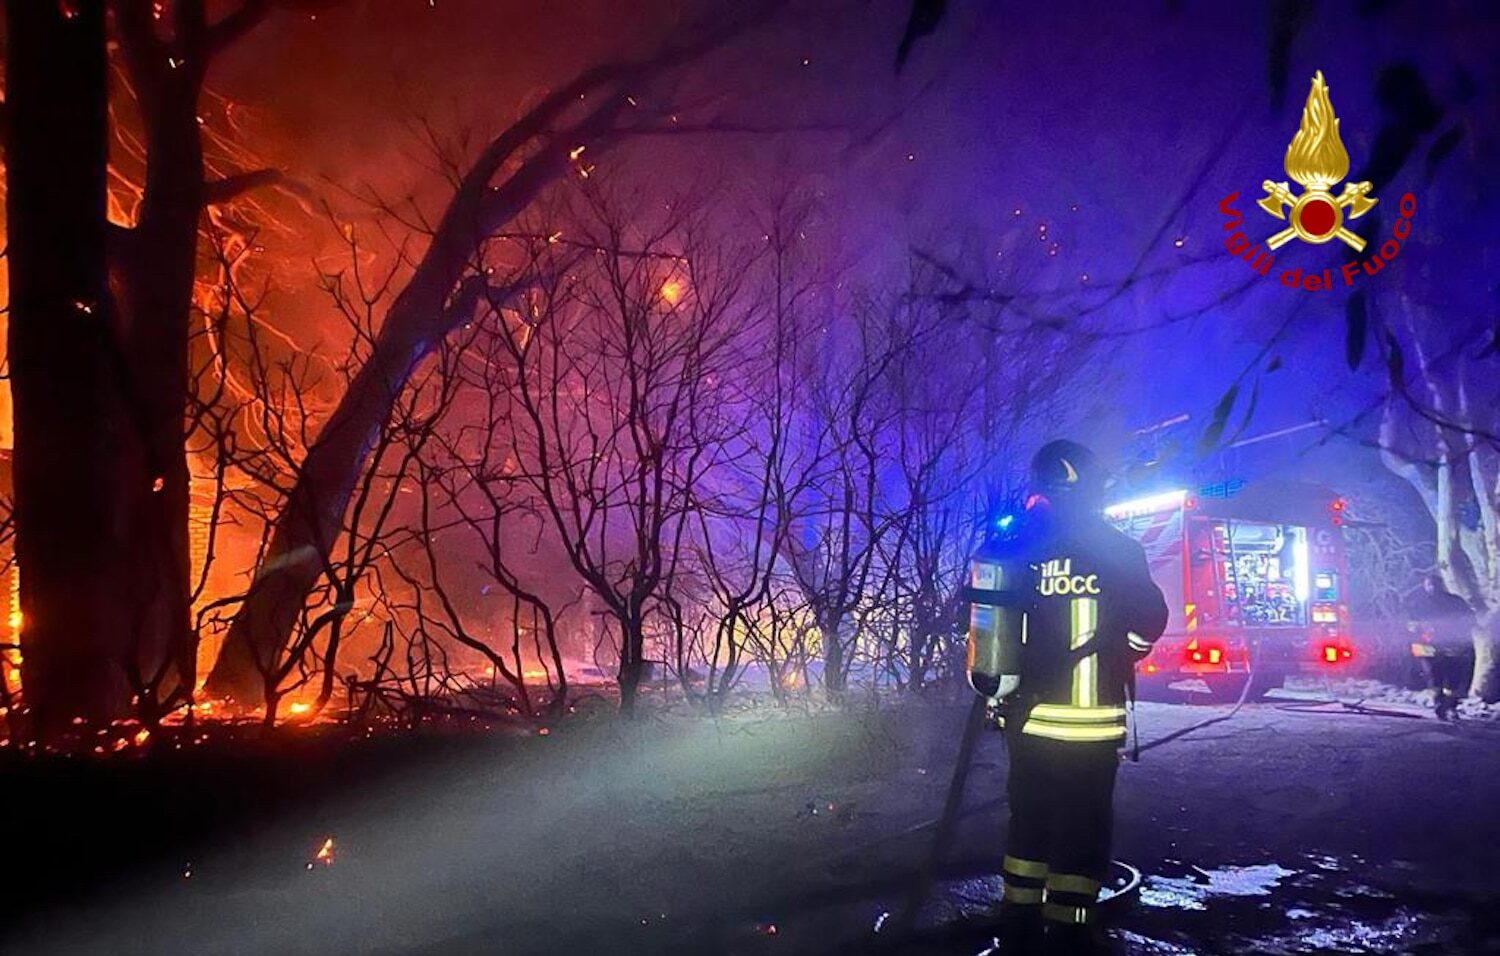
column 1096, row 611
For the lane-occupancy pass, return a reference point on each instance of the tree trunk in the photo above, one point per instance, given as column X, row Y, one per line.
column 632, row 664
column 71, row 433
column 835, row 680
column 155, row 267
column 1486, row 683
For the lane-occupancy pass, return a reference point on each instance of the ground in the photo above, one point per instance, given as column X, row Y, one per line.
column 1285, row 829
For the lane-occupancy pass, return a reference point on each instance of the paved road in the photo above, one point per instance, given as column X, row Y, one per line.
column 1276, row 831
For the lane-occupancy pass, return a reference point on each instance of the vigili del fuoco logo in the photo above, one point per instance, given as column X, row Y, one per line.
column 1317, row 161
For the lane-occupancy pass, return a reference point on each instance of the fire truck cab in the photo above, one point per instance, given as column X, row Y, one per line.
column 1257, row 582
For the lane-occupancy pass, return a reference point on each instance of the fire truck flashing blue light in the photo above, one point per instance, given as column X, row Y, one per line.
column 1005, row 521
column 1148, row 505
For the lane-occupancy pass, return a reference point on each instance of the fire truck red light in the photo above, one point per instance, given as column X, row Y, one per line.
column 1335, row 653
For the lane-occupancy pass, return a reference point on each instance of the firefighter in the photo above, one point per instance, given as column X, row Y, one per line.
column 1442, row 622
column 1090, row 611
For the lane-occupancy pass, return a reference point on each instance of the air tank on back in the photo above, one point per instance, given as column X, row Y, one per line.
column 1000, row 587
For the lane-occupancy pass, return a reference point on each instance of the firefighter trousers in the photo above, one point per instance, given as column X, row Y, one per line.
column 1448, row 676
column 1057, row 846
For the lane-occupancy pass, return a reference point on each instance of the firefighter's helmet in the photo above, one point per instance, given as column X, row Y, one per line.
column 1065, row 471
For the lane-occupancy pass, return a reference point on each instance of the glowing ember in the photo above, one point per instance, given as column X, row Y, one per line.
column 324, row 856
column 141, row 736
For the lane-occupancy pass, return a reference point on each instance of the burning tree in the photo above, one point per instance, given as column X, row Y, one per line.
column 100, row 323
column 595, row 112
column 60, row 317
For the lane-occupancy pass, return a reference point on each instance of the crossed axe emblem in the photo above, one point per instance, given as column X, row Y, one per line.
column 1316, row 215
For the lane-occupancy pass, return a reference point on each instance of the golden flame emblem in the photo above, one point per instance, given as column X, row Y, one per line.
column 1317, row 160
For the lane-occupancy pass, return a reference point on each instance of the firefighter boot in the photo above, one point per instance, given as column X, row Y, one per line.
column 1072, row 917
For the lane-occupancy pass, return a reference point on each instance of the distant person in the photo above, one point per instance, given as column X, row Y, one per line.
column 1443, row 624
column 1081, row 594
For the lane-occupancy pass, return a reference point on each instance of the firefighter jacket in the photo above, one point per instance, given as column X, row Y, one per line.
column 1444, row 621
column 1094, row 612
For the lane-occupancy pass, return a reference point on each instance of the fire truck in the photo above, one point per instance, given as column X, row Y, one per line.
column 1257, row 581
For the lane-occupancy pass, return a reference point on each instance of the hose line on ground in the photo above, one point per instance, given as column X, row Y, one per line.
column 1216, row 719
column 1140, row 748
column 1332, row 705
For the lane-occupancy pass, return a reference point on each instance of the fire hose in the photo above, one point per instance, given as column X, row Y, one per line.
column 1140, row 748
column 921, row 885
